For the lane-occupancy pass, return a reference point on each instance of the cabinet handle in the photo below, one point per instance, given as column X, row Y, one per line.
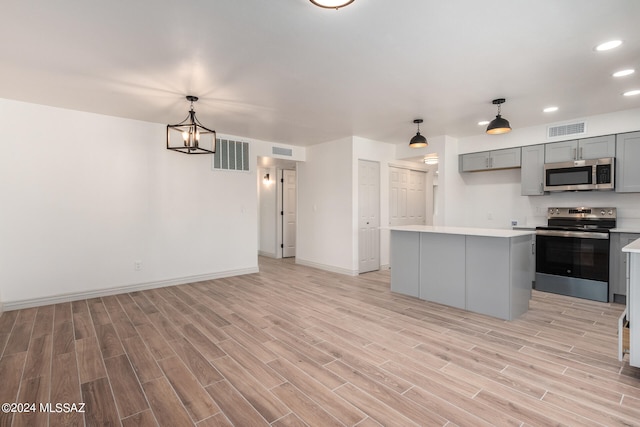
column 575, row 154
column 541, row 188
column 486, row 162
column 581, row 152
column 533, row 245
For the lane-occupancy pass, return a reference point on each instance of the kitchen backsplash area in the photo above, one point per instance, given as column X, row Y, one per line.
column 494, row 200
column 627, row 204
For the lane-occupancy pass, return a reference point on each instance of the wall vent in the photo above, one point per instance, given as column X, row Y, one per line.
column 231, row 155
column 576, row 128
column 282, row 151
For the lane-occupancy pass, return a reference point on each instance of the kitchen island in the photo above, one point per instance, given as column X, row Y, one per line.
column 486, row 271
column 629, row 330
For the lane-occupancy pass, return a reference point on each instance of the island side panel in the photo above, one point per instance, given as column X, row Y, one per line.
column 521, row 272
column 488, row 276
column 404, row 262
column 633, row 308
column 442, row 268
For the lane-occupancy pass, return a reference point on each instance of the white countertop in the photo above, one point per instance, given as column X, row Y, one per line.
column 633, row 230
column 467, row 231
column 633, row 247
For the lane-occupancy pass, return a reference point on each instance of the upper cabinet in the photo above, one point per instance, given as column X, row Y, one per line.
column 580, row 149
column 627, row 170
column 532, row 170
column 487, row 160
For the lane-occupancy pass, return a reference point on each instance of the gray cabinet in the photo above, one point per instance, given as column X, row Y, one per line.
column 442, row 260
column 498, row 275
column 618, row 265
column 482, row 273
column 578, row 149
column 487, row 160
column 532, row 170
column 627, row 170
column 405, row 257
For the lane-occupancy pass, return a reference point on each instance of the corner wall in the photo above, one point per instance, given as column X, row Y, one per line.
column 86, row 196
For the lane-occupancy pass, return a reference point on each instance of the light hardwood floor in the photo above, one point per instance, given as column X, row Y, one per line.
column 295, row 346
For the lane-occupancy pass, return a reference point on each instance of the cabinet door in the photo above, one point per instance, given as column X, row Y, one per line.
column 474, row 161
column 507, row 158
column 561, row 151
column 405, row 262
column 532, row 172
column 442, row 273
column 627, row 170
column 597, row 147
column 618, row 264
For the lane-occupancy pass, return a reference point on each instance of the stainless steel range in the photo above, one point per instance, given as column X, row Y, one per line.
column 572, row 252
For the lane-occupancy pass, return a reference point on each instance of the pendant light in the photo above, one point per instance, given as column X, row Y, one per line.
column 194, row 138
column 498, row 125
column 418, row 141
column 332, row 4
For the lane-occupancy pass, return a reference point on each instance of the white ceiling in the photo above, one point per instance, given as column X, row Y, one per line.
column 290, row 72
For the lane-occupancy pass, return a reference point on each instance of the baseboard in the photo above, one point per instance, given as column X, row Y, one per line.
column 1, row 308
column 325, row 267
column 57, row 299
column 268, row 254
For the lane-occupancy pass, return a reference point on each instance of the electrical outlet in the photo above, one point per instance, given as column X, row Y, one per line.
column 514, row 222
column 137, row 265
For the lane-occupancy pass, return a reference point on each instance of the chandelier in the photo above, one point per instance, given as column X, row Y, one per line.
column 193, row 137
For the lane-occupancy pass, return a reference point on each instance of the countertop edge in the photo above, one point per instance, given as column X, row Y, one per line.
column 466, row 231
column 633, row 247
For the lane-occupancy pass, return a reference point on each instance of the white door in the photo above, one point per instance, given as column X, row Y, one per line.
column 408, row 197
column 398, row 195
column 368, row 216
column 288, row 213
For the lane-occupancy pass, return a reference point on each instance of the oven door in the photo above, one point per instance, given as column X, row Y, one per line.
column 580, row 254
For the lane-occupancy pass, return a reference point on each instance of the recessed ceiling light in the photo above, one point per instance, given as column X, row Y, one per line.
column 608, row 45
column 483, row 123
column 623, row 73
column 550, row 109
column 632, row 92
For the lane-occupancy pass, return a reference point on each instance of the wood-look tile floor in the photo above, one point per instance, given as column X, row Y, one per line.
column 295, row 346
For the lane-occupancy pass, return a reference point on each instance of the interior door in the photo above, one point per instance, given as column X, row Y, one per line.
column 407, row 197
column 368, row 216
column 289, row 213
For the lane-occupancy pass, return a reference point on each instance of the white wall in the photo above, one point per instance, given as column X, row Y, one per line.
column 492, row 199
column 325, row 207
column 84, row 196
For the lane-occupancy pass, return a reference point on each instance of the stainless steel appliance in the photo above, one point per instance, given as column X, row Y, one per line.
column 593, row 174
column 572, row 252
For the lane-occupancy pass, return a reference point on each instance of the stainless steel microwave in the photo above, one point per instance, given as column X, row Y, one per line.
column 577, row 175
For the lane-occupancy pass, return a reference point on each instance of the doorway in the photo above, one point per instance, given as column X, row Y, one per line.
column 288, row 213
column 368, row 216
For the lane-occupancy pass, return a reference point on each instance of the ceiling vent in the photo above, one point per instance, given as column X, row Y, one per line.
column 568, row 129
column 282, row 151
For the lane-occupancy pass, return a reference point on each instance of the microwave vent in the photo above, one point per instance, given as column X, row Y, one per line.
column 577, row 128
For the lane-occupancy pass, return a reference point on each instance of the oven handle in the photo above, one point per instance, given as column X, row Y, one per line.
column 578, row 234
